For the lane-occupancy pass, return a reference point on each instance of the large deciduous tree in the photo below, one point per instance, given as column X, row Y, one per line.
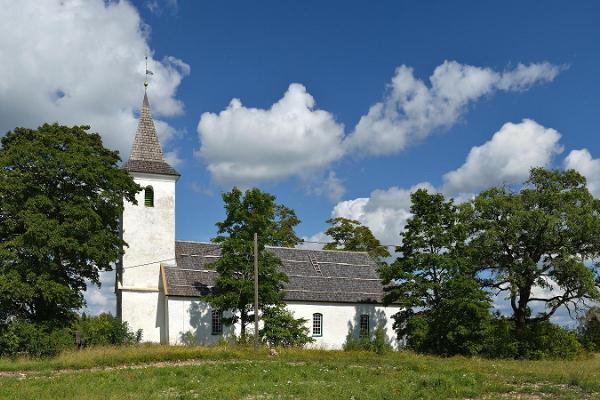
column 348, row 234
column 541, row 239
column 61, row 197
column 444, row 310
column 247, row 213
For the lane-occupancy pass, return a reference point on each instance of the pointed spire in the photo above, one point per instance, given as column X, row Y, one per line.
column 146, row 145
column 146, row 153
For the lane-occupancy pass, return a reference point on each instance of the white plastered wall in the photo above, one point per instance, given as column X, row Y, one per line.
column 150, row 234
column 340, row 318
column 193, row 315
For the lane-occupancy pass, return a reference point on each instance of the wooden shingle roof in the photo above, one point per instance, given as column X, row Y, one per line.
column 146, row 153
column 314, row 275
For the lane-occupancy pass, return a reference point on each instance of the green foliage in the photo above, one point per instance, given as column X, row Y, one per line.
column 61, row 196
column 37, row 340
column 104, row 330
column 188, row 339
column 281, row 329
column 589, row 329
column 348, row 234
column 42, row 340
column 460, row 322
column 540, row 340
column 247, row 213
column 445, row 311
column 376, row 343
column 539, row 238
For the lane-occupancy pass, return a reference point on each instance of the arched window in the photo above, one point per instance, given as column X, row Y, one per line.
column 216, row 324
column 149, row 196
column 364, row 326
column 317, row 325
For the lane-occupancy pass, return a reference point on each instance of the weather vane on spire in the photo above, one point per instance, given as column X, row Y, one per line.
column 148, row 72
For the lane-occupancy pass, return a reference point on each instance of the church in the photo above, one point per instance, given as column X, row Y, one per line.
column 160, row 280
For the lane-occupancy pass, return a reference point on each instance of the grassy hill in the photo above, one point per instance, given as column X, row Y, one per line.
column 157, row 372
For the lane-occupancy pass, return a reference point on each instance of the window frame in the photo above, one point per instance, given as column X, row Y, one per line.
column 317, row 317
column 148, row 196
column 364, row 332
column 217, row 316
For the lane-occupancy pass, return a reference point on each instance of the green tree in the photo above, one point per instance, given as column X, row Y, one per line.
column 247, row 213
column 444, row 310
column 348, row 234
column 282, row 329
column 539, row 238
column 61, row 197
column 589, row 329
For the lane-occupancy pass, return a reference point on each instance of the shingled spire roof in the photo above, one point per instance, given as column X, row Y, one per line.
column 146, row 153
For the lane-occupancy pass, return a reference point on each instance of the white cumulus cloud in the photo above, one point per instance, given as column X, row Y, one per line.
column 385, row 211
column 412, row 110
column 243, row 145
column 583, row 162
column 505, row 159
column 82, row 62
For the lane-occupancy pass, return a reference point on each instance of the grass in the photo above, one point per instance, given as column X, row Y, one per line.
column 160, row 372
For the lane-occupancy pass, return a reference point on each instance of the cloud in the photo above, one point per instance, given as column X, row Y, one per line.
column 82, row 62
column 385, row 211
column 245, row 146
column 505, row 159
column 314, row 242
column 412, row 110
column 157, row 7
column 101, row 299
column 582, row 161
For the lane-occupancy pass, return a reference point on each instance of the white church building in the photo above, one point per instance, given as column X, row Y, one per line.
column 160, row 279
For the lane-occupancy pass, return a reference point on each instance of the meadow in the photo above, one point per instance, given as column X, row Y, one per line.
column 160, row 372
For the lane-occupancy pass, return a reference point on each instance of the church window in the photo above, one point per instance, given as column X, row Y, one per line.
column 149, row 196
column 216, row 323
column 364, row 326
column 317, row 325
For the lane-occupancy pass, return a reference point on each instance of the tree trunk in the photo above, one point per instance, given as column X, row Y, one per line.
column 243, row 318
column 522, row 308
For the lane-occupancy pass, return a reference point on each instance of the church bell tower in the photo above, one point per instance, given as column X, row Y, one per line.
column 148, row 228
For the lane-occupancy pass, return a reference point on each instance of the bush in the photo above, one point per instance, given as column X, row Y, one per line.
column 542, row 340
column 458, row 324
column 104, row 330
column 589, row 329
column 41, row 340
column 282, row 329
column 26, row 338
column 376, row 343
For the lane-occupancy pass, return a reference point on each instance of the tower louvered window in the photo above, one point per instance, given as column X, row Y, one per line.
column 149, row 196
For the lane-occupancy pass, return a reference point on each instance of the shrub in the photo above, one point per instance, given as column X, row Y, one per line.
column 376, row 343
column 542, row 340
column 282, row 329
column 42, row 340
column 104, row 329
column 188, row 339
column 589, row 329
column 458, row 324
column 37, row 340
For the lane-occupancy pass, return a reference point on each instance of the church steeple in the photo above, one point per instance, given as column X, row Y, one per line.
column 146, row 153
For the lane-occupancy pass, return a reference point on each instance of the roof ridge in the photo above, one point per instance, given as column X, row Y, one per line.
column 282, row 247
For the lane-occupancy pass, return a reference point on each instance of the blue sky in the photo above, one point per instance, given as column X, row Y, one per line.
column 344, row 106
column 345, row 53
